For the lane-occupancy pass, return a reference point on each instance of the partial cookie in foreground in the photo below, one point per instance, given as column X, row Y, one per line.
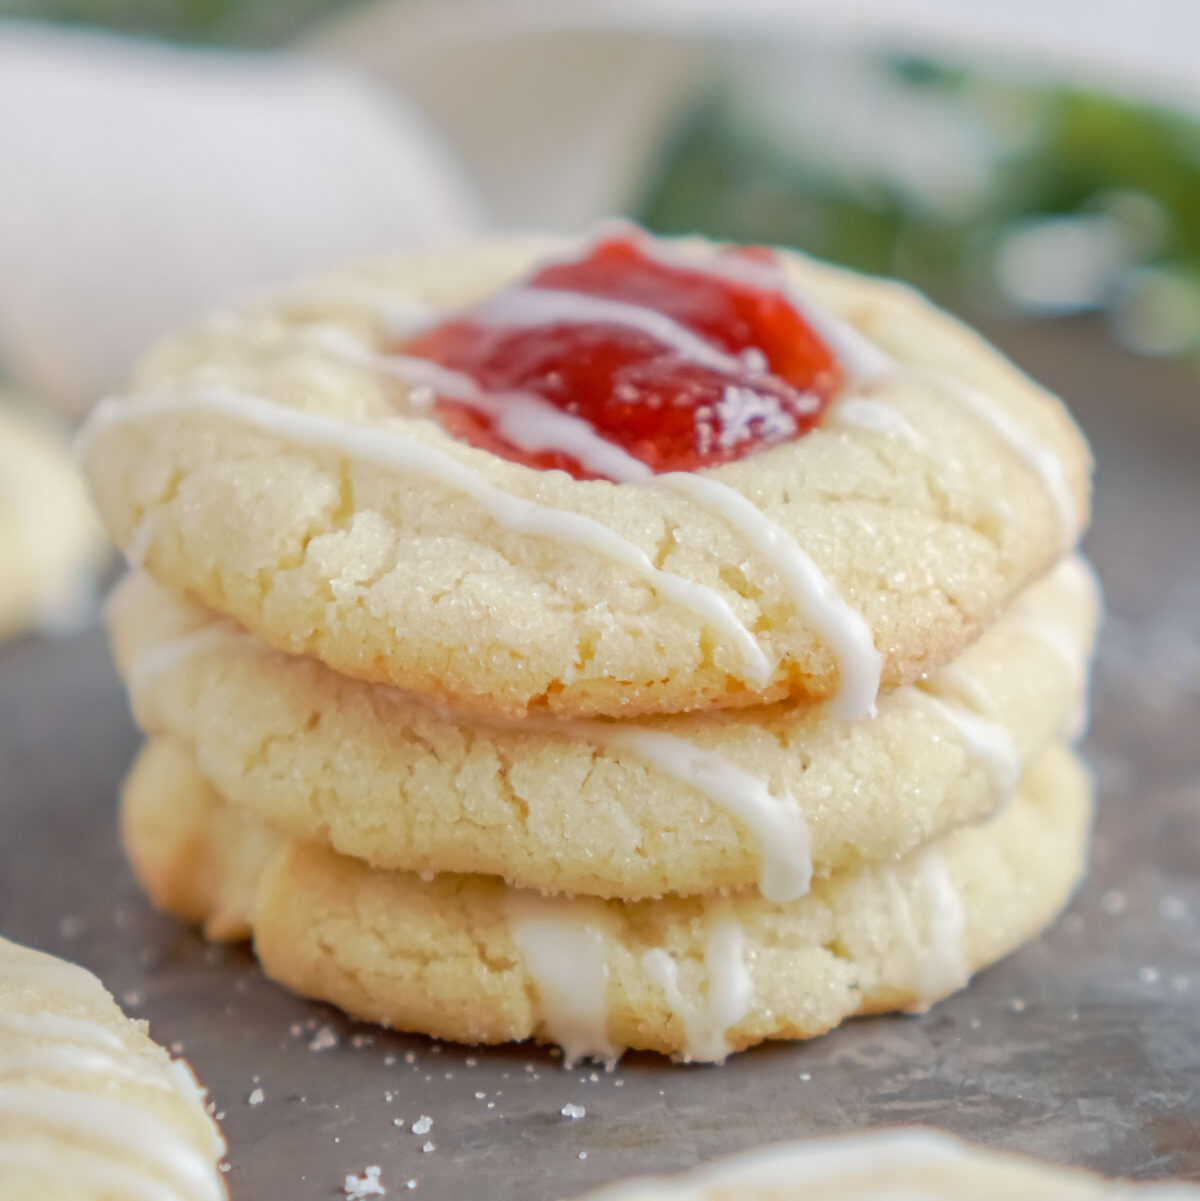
column 684, row 805
column 275, row 464
column 90, row 1108
column 915, row 1164
column 470, row 959
column 51, row 545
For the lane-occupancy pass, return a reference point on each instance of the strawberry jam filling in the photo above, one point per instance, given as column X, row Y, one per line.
column 679, row 367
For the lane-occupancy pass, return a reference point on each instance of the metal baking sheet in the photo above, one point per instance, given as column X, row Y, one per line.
column 1083, row 1048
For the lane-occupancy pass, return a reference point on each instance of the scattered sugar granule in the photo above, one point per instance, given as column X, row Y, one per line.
column 366, row 1185
column 491, row 1105
column 133, row 998
column 177, row 1048
column 572, row 1111
column 397, row 1121
column 255, row 1097
column 428, row 1147
column 1148, row 975
column 1017, row 1005
column 224, row 1166
column 1172, row 908
column 583, row 1155
column 618, row 1084
column 480, row 1096
column 409, row 1057
column 296, row 1029
column 423, row 1124
column 806, row 1075
column 1114, row 902
column 472, row 1062
column 388, row 1060
column 323, row 1039
column 361, row 1040
column 410, row 1184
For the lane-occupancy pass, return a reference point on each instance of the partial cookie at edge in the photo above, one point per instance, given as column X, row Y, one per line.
column 91, row 1108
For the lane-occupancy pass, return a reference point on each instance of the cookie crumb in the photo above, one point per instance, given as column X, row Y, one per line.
column 323, row 1039
column 583, row 1155
column 1148, row 975
column 572, row 1111
column 428, row 1147
column 256, row 1097
column 423, row 1124
column 366, row 1185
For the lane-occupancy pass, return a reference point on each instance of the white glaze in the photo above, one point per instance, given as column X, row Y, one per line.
column 523, row 418
column 534, row 306
column 138, row 542
column 728, row 991
column 776, row 822
column 877, row 416
column 166, row 656
column 389, row 449
column 983, row 738
column 848, row 636
column 790, row 1167
column 1040, row 459
column 943, row 968
column 90, row 1173
column 126, row 1129
column 562, row 943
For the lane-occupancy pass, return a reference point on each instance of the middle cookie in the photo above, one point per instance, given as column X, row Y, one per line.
column 686, row 804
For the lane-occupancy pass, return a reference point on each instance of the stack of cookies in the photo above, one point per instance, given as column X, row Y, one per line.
column 493, row 708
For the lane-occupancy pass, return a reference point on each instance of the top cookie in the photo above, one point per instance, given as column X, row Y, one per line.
column 283, row 465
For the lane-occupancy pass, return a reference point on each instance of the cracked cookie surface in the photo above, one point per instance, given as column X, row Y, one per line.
column 686, row 804
column 470, row 959
column 270, row 464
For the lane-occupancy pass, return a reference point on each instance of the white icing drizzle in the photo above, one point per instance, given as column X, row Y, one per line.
column 982, row 737
column 54, row 1026
column 523, row 418
column 138, row 542
column 944, row 968
column 860, row 358
column 789, row 1167
column 879, row 417
column 938, row 952
column 860, row 665
column 91, row 1173
column 727, row 996
column 166, row 656
column 124, row 1128
column 386, row 448
column 776, row 822
column 537, row 425
column 67, row 1058
column 562, row 943
column 1039, row 458
column 533, row 305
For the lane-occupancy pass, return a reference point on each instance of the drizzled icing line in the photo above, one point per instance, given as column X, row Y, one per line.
column 728, row 991
column 776, row 822
column 388, row 449
column 842, row 628
column 563, row 946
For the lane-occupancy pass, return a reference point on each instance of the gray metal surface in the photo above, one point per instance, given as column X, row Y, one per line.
column 1084, row 1047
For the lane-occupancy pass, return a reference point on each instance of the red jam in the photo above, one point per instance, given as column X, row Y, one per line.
column 761, row 375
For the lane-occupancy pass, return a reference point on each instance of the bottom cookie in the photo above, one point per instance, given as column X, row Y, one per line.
column 908, row 1163
column 90, row 1108
column 470, row 959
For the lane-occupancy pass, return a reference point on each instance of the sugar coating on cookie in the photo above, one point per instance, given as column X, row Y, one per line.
column 470, row 959
column 908, row 1162
column 633, row 809
column 90, row 1108
column 281, row 465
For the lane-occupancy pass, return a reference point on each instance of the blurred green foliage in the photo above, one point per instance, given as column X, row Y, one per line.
column 1071, row 155
column 246, row 23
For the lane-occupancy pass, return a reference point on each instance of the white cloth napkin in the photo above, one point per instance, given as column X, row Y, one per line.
column 142, row 185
